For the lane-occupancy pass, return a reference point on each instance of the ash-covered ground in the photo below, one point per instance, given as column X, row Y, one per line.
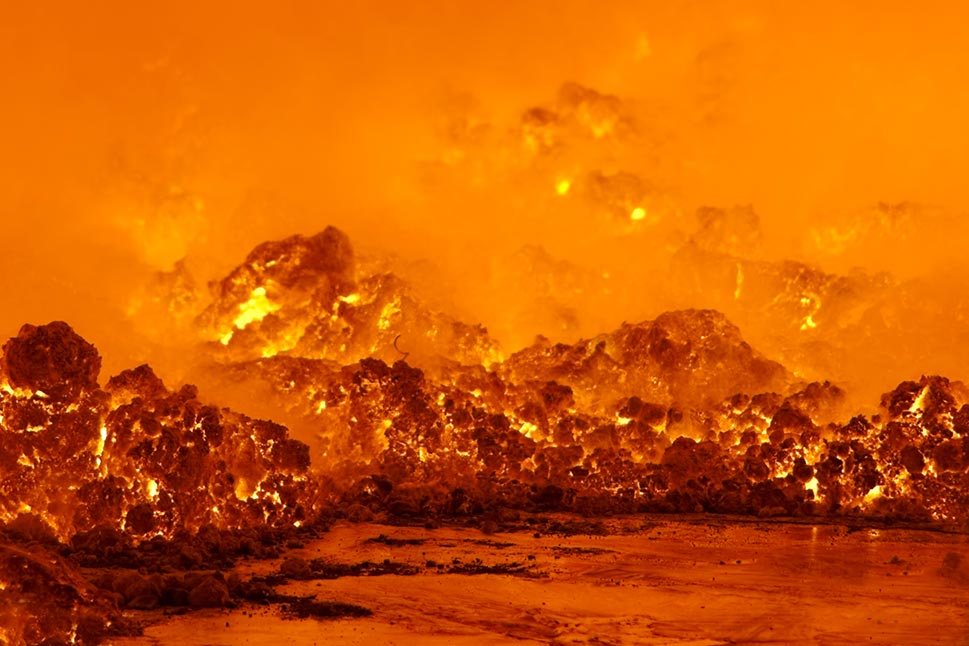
column 568, row 580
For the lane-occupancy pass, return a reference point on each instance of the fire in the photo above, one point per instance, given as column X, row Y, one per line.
column 641, row 292
column 644, row 413
column 255, row 309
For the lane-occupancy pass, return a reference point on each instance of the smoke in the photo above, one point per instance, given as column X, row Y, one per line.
column 140, row 134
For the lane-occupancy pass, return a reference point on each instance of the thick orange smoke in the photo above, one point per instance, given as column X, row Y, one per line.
column 138, row 135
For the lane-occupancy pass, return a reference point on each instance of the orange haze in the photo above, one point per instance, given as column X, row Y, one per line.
column 136, row 134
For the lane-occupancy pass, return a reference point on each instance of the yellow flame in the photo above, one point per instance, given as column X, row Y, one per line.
column 812, row 486
column 814, row 302
column 919, row 404
column 255, row 309
column 243, row 489
column 563, row 187
column 639, row 213
column 529, row 430
column 102, row 438
column 874, row 493
column 389, row 310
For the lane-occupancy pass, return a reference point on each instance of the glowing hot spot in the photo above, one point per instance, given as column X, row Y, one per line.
column 256, row 308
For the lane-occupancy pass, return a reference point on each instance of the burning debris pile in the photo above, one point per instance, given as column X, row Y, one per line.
column 677, row 414
column 133, row 456
column 300, row 296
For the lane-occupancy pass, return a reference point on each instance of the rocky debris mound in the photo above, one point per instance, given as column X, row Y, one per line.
column 402, row 442
column 317, row 268
column 52, row 360
column 306, row 296
column 689, row 357
column 135, row 455
column 44, row 600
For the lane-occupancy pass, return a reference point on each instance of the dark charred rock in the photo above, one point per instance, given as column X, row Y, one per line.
column 295, row 567
column 137, row 382
column 31, row 528
column 297, row 262
column 304, row 608
column 137, row 591
column 912, row 459
column 43, row 599
column 698, row 355
column 140, row 519
column 209, row 591
column 951, row 455
column 788, row 420
column 52, row 359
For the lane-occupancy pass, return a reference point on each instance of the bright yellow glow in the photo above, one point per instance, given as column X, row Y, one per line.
column 243, row 488
column 255, row 309
column 639, row 213
column 152, row 489
column 919, row 404
column 225, row 338
column 814, row 302
column 563, row 187
column 493, row 356
column 350, row 299
column 102, row 438
column 529, row 430
column 389, row 310
column 740, row 281
column 288, row 341
column 875, row 493
column 812, row 486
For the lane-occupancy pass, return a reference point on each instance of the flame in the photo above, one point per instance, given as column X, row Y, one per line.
column 255, row 309
column 514, row 323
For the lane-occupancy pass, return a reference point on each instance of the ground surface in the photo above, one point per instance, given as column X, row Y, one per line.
column 651, row 581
